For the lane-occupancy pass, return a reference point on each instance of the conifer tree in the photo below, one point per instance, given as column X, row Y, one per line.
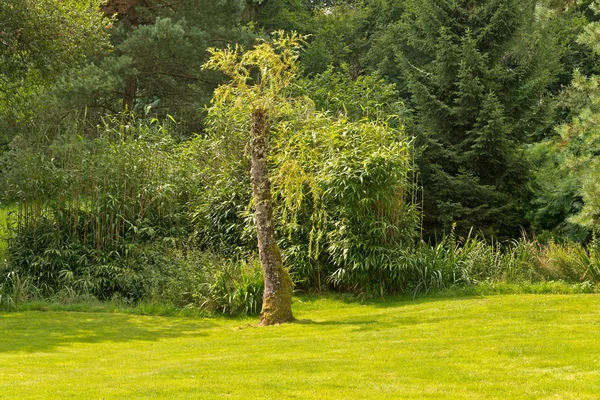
column 475, row 73
column 155, row 67
column 579, row 140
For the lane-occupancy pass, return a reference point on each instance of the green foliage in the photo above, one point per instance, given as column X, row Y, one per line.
column 43, row 37
column 571, row 262
column 473, row 262
column 153, row 69
column 236, row 289
column 180, row 273
column 556, row 193
column 470, row 261
column 566, row 22
column 221, row 218
column 124, row 207
column 84, row 205
column 367, row 96
column 580, row 139
column 288, row 15
column 476, row 76
column 339, row 39
column 366, row 215
column 343, row 33
column 579, row 143
column 259, row 77
column 342, row 189
column 164, row 55
column 40, row 40
column 220, row 190
column 14, row 290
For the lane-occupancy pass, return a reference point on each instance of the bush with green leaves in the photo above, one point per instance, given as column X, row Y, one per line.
column 111, row 217
column 369, row 218
column 220, row 195
column 179, row 272
column 235, row 289
column 84, row 206
column 41, row 41
column 364, row 97
column 343, row 194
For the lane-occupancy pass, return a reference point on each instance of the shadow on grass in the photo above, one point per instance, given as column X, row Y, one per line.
column 39, row 332
column 333, row 323
column 369, row 324
column 391, row 301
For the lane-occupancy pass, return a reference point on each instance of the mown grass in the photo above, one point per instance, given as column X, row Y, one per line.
column 514, row 346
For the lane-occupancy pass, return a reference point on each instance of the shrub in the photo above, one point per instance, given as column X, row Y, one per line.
column 87, row 204
column 179, row 273
column 342, row 190
column 236, row 289
column 571, row 262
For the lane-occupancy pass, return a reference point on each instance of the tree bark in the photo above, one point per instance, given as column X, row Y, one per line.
column 277, row 298
column 126, row 11
column 130, row 93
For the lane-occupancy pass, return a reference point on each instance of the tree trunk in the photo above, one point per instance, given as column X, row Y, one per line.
column 277, row 298
column 126, row 11
column 130, row 93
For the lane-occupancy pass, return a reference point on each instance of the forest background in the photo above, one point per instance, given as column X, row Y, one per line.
column 419, row 145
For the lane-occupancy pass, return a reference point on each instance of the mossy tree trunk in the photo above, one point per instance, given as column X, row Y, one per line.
column 277, row 298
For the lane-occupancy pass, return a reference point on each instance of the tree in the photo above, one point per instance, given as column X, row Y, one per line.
column 39, row 41
column 341, row 181
column 343, row 33
column 289, row 15
column 476, row 74
column 258, row 80
column 567, row 169
column 154, row 68
column 580, row 138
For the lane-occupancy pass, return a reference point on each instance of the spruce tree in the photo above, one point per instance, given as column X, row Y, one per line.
column 475, row 73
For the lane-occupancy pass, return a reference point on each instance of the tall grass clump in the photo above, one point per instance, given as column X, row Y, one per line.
column 471, row 261
column 571, row 261
column 369, row 216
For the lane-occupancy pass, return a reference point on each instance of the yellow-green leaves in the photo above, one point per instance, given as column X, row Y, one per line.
column 258, row 76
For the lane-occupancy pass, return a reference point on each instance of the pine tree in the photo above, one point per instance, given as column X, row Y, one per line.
column 579, row 139
column 155, row 67
column 475, row 73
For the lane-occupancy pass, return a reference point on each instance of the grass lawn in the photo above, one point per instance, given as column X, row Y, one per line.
column 515, row 346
